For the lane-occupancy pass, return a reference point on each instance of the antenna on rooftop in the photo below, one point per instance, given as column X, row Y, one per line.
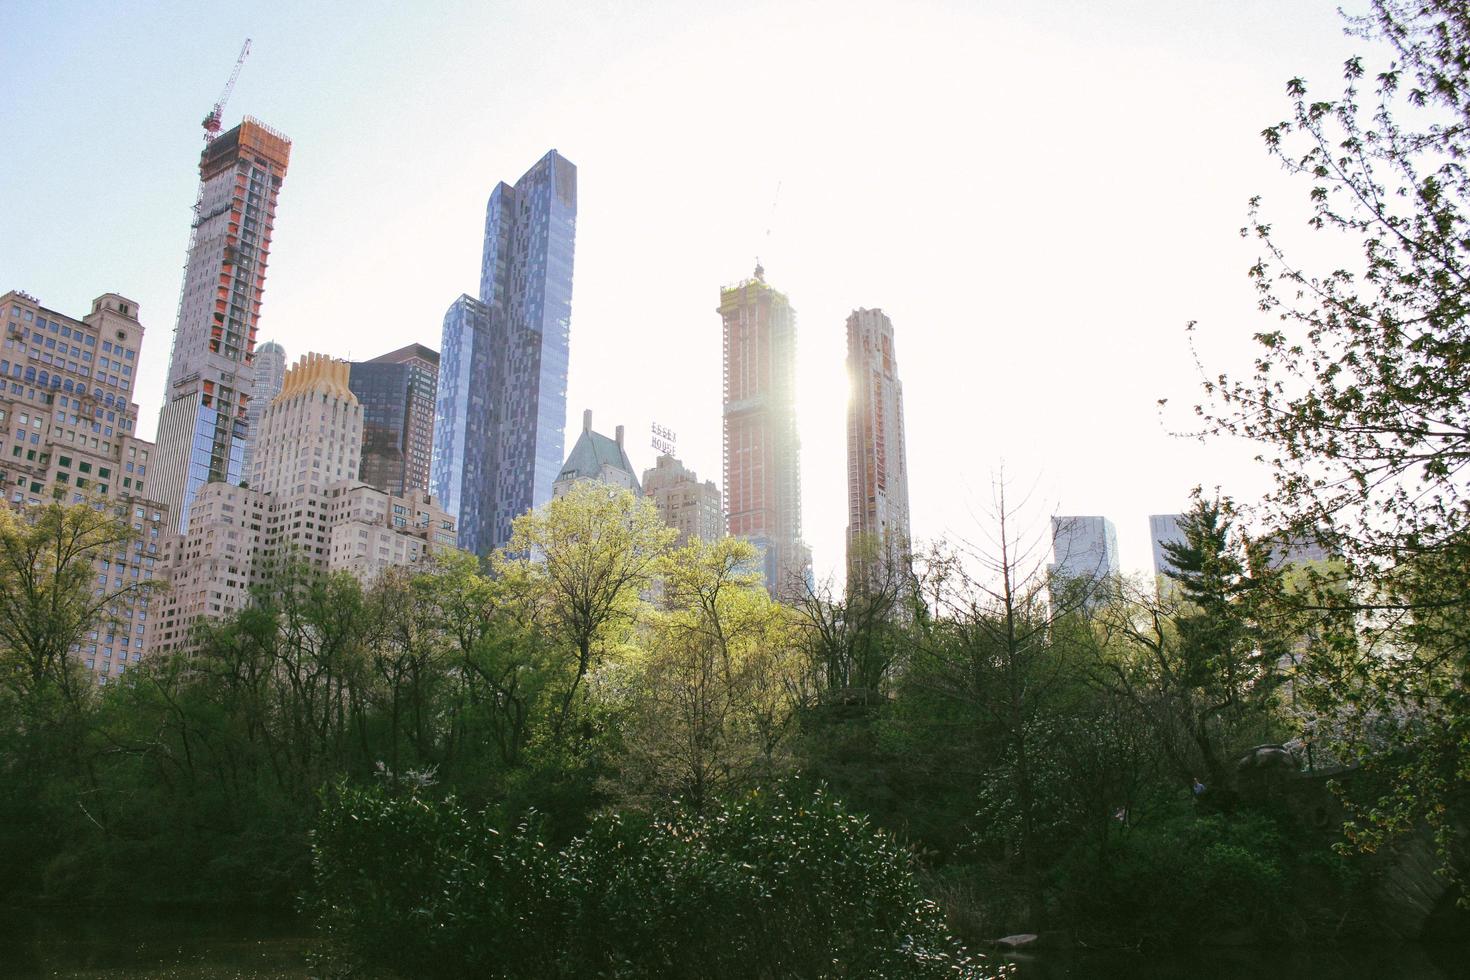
column 766, row 239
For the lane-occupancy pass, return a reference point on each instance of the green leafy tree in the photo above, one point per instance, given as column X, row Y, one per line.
column 719, row 682
column 50, row 599
column 498, row 664
column 1204, row 661
column 581, row 565
column 1358, row 399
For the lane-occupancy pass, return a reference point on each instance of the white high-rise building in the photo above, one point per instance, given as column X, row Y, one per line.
column 878, row 537
column 306, row 504
column 1164, row 529
column 1084, row 549
column 270, row 375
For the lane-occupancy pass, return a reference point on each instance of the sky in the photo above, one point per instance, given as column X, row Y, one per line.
column 1040, row 195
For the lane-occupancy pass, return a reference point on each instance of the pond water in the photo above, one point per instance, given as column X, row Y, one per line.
column 107, row 944
column 127, row 945
column 1314, row 963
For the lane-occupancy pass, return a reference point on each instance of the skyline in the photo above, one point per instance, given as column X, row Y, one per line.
column 999, row 366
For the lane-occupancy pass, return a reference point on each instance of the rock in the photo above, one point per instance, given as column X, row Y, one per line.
column 1019, row 941
column 1268, row 758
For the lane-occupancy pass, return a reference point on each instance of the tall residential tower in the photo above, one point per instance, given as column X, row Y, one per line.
column 203, row 428
column 397, row 392
column 502, row 401
column 269, row 375
column 762, row 449
column 878, row 540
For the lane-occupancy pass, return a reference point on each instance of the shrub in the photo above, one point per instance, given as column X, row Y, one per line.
column 1182, row 880
column 781, row 883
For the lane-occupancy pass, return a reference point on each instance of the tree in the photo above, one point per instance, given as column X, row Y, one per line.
column 719, row 682
column 1358, row 396
column 48, row 597
column 581, row 564
column 500, row 665
column 1205, row 659
column 856, row 643
column 995, row 647
column 50, row 600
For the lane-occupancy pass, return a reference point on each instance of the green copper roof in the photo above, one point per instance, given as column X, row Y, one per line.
column 592, row 451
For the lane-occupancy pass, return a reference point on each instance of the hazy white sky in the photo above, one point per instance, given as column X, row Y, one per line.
column 1040, row 194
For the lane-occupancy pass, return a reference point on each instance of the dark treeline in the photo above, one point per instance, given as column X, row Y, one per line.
column 1026, row 755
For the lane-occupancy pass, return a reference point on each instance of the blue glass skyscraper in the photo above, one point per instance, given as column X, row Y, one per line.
column 464, row 438
column 502, row 401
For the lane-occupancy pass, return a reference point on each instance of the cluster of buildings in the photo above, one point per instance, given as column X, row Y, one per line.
column 260, row 466
column 1085, row 549
column 256, row 465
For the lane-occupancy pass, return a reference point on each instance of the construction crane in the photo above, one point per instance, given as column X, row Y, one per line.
column 212, row 121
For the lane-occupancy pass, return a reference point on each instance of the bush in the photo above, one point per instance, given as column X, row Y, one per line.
column 1184, row 880
column 779, row 884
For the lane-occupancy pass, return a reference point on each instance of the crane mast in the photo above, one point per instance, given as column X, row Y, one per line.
column 212, row 121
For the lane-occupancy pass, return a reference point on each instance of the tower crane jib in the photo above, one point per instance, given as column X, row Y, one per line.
column 212, row 121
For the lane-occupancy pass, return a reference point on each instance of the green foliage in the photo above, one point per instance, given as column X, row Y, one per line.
column 47, row 597
column 1204, row 661
column 49, row 600
column 718, row 682
column 996, row 750
column 779, row 884
column 579, row 567
column 1357, row 400
column 1187, row 879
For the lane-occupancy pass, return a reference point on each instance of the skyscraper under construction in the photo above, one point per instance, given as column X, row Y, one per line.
column 203, row 427
column 878, row 541
column 762, row 448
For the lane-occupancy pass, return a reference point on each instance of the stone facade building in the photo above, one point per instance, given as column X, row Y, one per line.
column 68, row 433
column 696, row 510
column 306, row 505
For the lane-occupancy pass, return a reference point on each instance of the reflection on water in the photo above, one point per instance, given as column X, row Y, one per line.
column 1315, row 963
column 116, row 944
column 126, row 945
